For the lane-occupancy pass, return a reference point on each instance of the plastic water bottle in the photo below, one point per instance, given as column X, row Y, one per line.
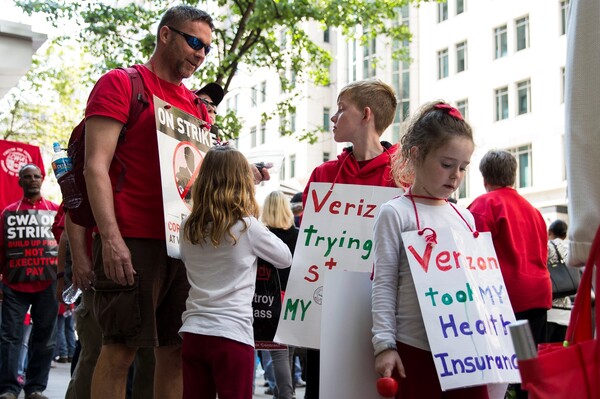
column 62, row 165
column 70, row 295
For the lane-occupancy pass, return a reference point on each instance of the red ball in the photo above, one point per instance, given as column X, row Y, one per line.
column 387, row 387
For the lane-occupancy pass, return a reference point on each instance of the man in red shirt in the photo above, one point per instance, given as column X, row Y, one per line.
column 520, row 240
column 28, row 260
column 140, row 292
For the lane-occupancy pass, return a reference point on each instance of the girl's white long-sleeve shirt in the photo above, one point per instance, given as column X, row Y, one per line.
column 396, row 312
column 222, row 280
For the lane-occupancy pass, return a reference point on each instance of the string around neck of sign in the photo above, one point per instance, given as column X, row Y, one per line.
column 167, row 106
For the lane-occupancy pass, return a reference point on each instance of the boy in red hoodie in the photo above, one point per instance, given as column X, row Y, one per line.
column 365, row 109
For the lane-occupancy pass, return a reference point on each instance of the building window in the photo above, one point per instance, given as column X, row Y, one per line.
column 442, row 11
column 253, row 136
column 326, row 156
column 524, row 168
column 442, row 57
column 263, row 91
column 501, row 103
column 461, row 57
column 460, row 6
column 522, row 26
column 254, row 95
column 282, row 123
column 463, row 107
column 369, row 56
column 500, row 41
column 564, row 16
column 293, row 122
column 292, row 166
column 326, row 35
column 524, row 97
column 326, row 118
column 263, row 133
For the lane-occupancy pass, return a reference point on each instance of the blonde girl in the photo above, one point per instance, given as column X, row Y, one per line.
column 220, row 243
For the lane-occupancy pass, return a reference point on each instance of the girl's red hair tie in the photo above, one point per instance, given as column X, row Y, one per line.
column 451, row 111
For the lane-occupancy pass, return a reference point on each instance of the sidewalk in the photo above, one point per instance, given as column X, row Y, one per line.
column 60, row 376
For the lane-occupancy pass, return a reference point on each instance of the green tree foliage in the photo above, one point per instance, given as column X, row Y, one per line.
column 49, row 100
column 254, row 33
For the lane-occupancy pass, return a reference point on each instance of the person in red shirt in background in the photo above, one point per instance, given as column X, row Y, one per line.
column 520, row 240
column 29, row 274
column 365, row 109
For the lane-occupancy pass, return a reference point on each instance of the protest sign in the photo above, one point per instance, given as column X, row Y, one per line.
column 347, row 324
column 336, row 234
column 465, row 307
column 31, row 248
column 182, row 143
column 13, row 156
column 266, row 306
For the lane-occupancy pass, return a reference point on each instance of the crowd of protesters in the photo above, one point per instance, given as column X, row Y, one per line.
column 156, row 326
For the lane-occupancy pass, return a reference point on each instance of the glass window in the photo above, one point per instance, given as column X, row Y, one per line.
column 292, row 165
column 523, row 154
column 282, row 123
column 293, row 122
column 442, row 11
column 442, row 56
column 501, row 103
column 500, row 41
column 460, row 6
column 326, row 35
column 461, row 57
column 254, row 95
column 564, row 16
column 463, row 107
column 326, row 118
column 369, row 57
column 524, row 97
column 263, row 91
column 522, row 26
column 263, row 133
column 253, row 136
column 326, row 156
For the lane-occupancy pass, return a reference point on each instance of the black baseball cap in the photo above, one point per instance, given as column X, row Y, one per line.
column 214, row 91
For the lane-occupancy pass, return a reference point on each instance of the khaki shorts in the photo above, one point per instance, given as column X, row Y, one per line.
column 148, row 313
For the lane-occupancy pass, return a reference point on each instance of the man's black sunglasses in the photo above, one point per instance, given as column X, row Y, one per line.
column 193, row 41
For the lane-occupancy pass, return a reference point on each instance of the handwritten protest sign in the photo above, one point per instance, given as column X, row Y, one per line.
column 336, row 234
column 31, row 248
column 465, row 307
column 182, row 144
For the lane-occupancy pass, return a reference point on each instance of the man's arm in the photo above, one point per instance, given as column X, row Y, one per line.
column 102, row 135
column 83, row 274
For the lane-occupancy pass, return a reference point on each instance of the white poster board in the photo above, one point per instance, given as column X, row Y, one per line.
column 336, row 234
column 182, row 144
column 465, row 307
column 347, row 360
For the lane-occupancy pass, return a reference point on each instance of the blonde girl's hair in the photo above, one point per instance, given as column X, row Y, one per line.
column 276, row 211
column 432, row 127
column 222, row 195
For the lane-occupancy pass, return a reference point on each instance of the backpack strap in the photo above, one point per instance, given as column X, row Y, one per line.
column 138, row 102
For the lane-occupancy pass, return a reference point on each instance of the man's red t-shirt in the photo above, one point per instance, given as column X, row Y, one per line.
column 138, row 206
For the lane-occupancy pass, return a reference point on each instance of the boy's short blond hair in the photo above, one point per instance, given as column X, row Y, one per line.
column 375, row 94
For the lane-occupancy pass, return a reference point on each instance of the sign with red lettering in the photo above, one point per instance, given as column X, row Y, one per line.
column 30, row 246
column 336, row 234
column 465, row 307
column 182, row 143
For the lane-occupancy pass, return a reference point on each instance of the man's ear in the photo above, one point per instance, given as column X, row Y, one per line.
column 163, row 33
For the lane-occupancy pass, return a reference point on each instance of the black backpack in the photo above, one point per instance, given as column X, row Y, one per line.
column 82, row 214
